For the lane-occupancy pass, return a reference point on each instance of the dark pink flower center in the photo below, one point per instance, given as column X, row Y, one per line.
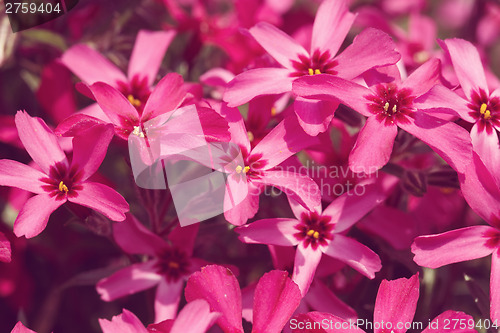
column 136, row 90
column 319, row 63
column 314, row 230
column 485, row 110
column 391, row 104
column 62, row 182
column 173, row 263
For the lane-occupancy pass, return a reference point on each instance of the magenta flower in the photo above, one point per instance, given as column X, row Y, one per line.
column 276, row 297
column 20, row 328
column 5, row 250
column 258, row 167
column 171, row 263
column 372, row 48
column 58, row 180
column 195, row 317
column 390, row 106
column 316, row 232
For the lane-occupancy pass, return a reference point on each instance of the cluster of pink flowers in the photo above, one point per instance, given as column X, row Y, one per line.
column 358, row 143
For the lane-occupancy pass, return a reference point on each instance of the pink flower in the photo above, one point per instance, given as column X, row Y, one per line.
column 394, row 310
column 316, row 232
column 276, row 297
column 169, row 266
column 58, row 180
column 20, row 328
column 390, row 106
column 371, row 48
column 195, row 317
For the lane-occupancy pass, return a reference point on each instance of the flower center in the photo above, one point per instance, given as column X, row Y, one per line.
column 240, row 169
column 136, row 90
column 134, row 101
column 62, row 182
column 62, row 187
column 485, row 110
column 314, row 230
column 320, row 62
column 172, row 263
column 391, row 104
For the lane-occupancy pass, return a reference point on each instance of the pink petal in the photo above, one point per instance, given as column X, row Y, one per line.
column 453, row 246
column 321, row 298
column 126, row 322
column 331, row 88
column 194, row 317
column 235, row 197
column 216, row 77
column 373, row 147
column 440, row 97
column 114, row 104
column 284, row 140
column 486, row 146
column 256, row 82
column 90, row 66
column 278, row 44
column 167, row 96
column 355, row 254
column 331, row 25
column 149, row 50
column 34, row 215
column 246, row 209
column 456, row 322
column 134, row 238
column 39, row 141
column 276, row 298
column 302, row 323
column 447, row 139
column 370, row 49
column 103, row 199
column 218, row 286
column 184, row 237
column 20, row 328
column 495, row 286
column 89, row 149
column 5, row 250
column 306, row 261
column 276, row 231
column 78, row 123
column 297, row 186
column 314, row 116
column 467, row 64
column 396, row 303
column 129, row 280
column 15, row 174
column 237, row 127
column 168, row 296
column 424, row 77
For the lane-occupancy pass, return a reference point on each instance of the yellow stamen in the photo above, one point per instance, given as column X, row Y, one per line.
column 311, row 71
column 173, row 264
column 62, row 187
column 250, row 135
column 135, row 102
column 238, row 169
column 316, row 235
column 310, row 232
column 487, row 115
column 483, row 108
column 273, row 111
column 317, row 71
column 246, row 169
column 386, row 106
column 394, row 109
column 447, row 190
column 137, row 131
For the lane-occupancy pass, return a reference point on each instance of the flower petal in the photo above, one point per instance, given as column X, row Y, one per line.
column 39, row 141
column 34, row 215
column 396, row 303
column 126, row 322
column 5, row 250
column 134, row 238
column 435, row 326
column 321, row 298
column 103, row 199
column 149, row 50
column 349, row 208
column 312, row 319
column 278, row 44
column 439, row 97
column 331, row 25
column 453, row 246
column 256, row 82
column 90, row 66
column 447, row 139
column 306, row 261
column 194, row 317
column 167, row 96
column 487, row 148
column 373, row 147
column 314, row 116
column 20, row 328
column 355, row 254
column 370, row 49
column 423, row 78
column 218, row 286
column 495, row 286
column 168, row 296
column 276, row 231
column 467, row 64
column 15, row 174
column 128, row 280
